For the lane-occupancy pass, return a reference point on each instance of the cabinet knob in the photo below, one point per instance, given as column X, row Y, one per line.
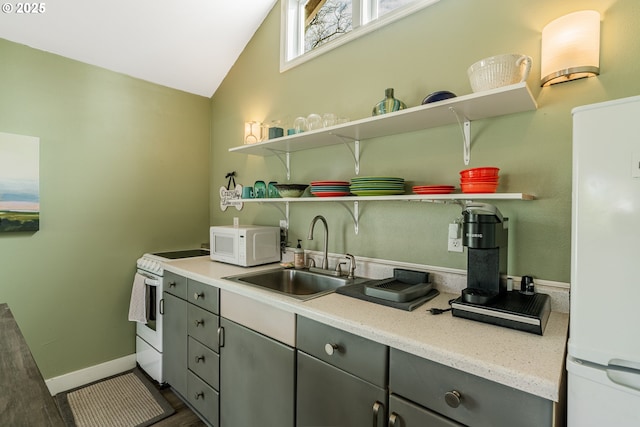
column 172, row 284
column 198, row 295
column 199, row 322
column 199, row 395
column 330, row 348
column 199, row 358
column 453, row 398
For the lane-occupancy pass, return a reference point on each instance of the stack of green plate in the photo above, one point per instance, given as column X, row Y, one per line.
column 377, row 186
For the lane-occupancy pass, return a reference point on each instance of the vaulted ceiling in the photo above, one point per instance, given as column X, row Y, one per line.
column 188, row 45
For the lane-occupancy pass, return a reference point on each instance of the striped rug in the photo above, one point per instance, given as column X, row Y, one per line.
column 125, row 400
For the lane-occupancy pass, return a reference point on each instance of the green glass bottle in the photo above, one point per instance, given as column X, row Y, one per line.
column 388, row 104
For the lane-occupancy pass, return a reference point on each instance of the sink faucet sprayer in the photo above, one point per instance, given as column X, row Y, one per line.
column 325, row 261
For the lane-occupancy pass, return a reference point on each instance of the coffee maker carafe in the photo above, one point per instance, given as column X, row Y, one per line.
column 485, row 234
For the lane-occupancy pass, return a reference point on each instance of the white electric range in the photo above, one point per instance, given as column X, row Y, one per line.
column 149, row 334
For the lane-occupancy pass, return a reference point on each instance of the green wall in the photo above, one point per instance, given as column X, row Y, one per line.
column 123, row 170
column 427, row 51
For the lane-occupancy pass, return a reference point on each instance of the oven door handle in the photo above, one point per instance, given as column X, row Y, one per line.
column 152, row 282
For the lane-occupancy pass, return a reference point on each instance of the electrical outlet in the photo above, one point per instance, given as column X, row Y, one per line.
column 454, row 241
column 236, row 221
column 455, row 245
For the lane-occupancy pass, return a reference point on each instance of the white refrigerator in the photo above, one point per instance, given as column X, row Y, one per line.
column 603, row 362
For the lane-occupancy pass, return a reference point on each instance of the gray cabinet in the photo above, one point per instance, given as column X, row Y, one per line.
column 257, row 379
column 190, row 358
column 341, row 378
column 174, row 356
column 459, row 396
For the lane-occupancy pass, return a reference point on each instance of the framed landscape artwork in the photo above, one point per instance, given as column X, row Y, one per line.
column 19, row 183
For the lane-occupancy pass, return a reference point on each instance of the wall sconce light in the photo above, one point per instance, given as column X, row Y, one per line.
column 253, row 132
column 571, row 48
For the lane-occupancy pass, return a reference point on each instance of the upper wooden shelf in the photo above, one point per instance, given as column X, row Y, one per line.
column 476, row 106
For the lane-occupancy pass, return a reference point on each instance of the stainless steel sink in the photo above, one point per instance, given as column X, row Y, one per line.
column 300, row 284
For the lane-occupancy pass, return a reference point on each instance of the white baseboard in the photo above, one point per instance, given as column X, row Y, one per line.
column 92, row 373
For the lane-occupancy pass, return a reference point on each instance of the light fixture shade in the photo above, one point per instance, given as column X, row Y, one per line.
column 571, row 48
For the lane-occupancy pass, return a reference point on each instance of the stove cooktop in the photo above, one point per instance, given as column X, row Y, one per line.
column 189, row 253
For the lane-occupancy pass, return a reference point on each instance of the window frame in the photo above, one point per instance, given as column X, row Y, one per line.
column 292, row 40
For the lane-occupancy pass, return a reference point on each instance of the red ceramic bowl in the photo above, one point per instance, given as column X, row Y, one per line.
column 479, row 172
column 479, row 187
column 487, row 179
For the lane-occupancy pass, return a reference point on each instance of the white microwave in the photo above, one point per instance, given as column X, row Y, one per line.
column 245, row 245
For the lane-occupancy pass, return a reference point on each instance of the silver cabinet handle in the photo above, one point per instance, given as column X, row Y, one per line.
column 220, row 337
column 199, row 358
column 172, row 284
column 198, row 295
column 199, row 322
column 453, row 398
column 392, row 419
column 199, row 395
column 376, row 410
column 162, row 306
column 330, row 348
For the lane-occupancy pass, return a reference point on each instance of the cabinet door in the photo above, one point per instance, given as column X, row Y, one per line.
column 328, row 396
column 174, row 333
column 256, row 379
column 403, row 413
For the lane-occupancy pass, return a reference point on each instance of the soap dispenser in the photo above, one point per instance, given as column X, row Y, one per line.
column 298, row 256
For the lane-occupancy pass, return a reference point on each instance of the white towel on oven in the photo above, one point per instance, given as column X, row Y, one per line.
column 138, row 303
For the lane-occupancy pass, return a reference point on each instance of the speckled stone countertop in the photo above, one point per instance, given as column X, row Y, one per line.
column 524, row 361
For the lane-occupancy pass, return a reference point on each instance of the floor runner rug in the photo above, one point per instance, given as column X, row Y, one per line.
column 125, row 400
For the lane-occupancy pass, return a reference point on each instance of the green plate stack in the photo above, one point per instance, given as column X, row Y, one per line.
column 377, row 186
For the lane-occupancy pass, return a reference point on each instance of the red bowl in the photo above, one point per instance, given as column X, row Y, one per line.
column 487, row 179
column 480, row 172
column 479, row 187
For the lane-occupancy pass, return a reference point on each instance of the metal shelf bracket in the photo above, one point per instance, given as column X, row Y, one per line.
column 355, row 151
column 286, row 162
column 465, row 128
column 285, row 212
column 355, row 213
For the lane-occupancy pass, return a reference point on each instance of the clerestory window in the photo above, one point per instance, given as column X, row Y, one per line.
column 312, row 27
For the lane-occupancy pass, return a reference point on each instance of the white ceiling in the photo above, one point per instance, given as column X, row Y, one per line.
column 188, row 45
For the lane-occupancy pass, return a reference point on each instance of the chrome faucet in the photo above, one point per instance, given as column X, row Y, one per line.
column 325, row 261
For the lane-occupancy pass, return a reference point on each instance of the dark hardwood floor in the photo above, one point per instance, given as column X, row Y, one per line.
column 183, row 417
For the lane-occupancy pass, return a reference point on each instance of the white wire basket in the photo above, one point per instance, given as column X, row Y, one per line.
column 497, row 71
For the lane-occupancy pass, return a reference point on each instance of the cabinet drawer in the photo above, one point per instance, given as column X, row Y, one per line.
column 203, row 398
column 205, row 363
column 203, row 326
column 175, row 284
column 481, row 402
column 364, row 358
column 203, row 295
column 403, row 413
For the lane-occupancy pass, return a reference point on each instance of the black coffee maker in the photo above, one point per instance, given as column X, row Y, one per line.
column 485, row 233
column 486, row 299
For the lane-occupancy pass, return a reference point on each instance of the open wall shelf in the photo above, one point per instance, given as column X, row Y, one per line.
column 463, row 110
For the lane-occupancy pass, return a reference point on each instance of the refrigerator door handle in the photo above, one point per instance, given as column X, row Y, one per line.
column 624, row 373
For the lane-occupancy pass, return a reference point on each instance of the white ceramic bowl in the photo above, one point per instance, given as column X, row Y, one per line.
column 500, row 70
